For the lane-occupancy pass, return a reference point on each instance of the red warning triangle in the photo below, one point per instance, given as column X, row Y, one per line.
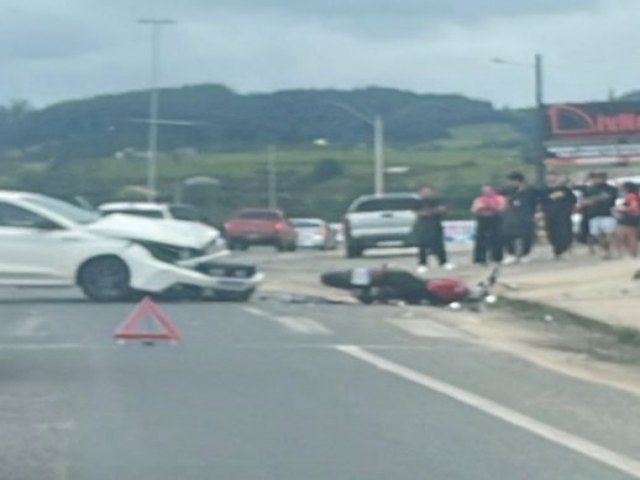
column 131, row 329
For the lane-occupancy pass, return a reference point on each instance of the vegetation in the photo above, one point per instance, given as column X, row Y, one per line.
column 94, row 148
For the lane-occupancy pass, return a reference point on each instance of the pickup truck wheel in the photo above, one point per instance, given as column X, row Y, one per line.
column 105, row 279
column 354, row 250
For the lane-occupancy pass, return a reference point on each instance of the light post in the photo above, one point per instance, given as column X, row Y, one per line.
column 156, row 25
column 377, row 123
column 539, row 149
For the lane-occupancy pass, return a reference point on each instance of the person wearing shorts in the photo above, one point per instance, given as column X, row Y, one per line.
column 600, row 200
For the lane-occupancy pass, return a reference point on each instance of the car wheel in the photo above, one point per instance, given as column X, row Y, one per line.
column 244, row 246
column 292, row 247
column 105, row 279
column 281, row 246
column 232, row 245
column 354, row 250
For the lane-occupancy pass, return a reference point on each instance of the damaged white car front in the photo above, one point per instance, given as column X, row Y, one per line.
column 186, row 263
column 47, row 242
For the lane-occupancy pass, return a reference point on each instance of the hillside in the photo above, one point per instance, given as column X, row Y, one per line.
column 225, row 120
column 94, row 147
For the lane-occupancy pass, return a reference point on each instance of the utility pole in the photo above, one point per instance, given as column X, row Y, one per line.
column 156, row 25
column 378, row 148
column 272, row 177
column 540, row 149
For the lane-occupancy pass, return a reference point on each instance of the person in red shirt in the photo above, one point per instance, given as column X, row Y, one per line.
column 629, row 219
column 488, row 209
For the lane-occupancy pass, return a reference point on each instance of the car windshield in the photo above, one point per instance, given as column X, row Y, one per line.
column 386, row 204
column 64, row 209
column 138, row 213
column 258, row 215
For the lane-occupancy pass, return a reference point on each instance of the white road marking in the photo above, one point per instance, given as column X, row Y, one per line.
column 43, row 346
column 31, row 327
column 577, row 444
column 303, row 325
column 256, row 311
column 426, row 328
column 299, row 325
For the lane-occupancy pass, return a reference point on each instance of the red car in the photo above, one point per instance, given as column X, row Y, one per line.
column 260, row 226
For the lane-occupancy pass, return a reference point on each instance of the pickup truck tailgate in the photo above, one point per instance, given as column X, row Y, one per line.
column 382, row 223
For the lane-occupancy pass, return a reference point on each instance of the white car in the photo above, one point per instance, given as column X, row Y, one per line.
column 47, row 242
column 314, row 233
column 166, row 211
column 183, row 217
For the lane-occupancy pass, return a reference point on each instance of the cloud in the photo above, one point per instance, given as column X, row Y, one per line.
column 55, row 50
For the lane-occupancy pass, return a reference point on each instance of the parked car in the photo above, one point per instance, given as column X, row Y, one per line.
column 314, row 233
column 379, row 221
column 182, row 218
column 260, row 226
column 166, row 211
column 48, row 242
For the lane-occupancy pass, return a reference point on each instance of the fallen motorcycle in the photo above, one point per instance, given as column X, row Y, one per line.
column 387, row 285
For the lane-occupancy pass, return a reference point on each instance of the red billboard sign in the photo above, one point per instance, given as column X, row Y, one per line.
column 566, row 121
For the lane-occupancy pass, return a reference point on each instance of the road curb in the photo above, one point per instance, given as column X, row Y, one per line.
column 541, row 312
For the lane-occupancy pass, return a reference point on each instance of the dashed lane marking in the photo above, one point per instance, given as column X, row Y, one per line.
column 298, row 325
column 426, row 328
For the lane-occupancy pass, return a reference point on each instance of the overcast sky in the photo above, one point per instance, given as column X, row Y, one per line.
column 52, row 50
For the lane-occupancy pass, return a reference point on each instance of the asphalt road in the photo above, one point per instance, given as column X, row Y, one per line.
column 273, row 390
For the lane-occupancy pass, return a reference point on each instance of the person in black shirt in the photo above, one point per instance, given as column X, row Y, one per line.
column 558, row 202
column 518, row 225
column 428, row 231
column 598, row 203
column 583, row 234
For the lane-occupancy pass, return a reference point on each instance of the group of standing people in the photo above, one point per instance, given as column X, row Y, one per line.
column 507, row 219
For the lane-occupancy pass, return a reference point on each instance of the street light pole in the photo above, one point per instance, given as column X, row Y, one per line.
column 378, row 149
column 540, row 150
column 272, row 180
column 156, row 25
column 377, row 123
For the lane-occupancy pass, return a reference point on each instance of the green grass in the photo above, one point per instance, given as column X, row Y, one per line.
column 457, row 167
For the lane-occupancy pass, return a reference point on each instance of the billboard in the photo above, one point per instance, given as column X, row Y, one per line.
column 590, row 120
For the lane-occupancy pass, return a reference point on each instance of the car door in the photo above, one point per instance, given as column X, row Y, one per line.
column 31, row 248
